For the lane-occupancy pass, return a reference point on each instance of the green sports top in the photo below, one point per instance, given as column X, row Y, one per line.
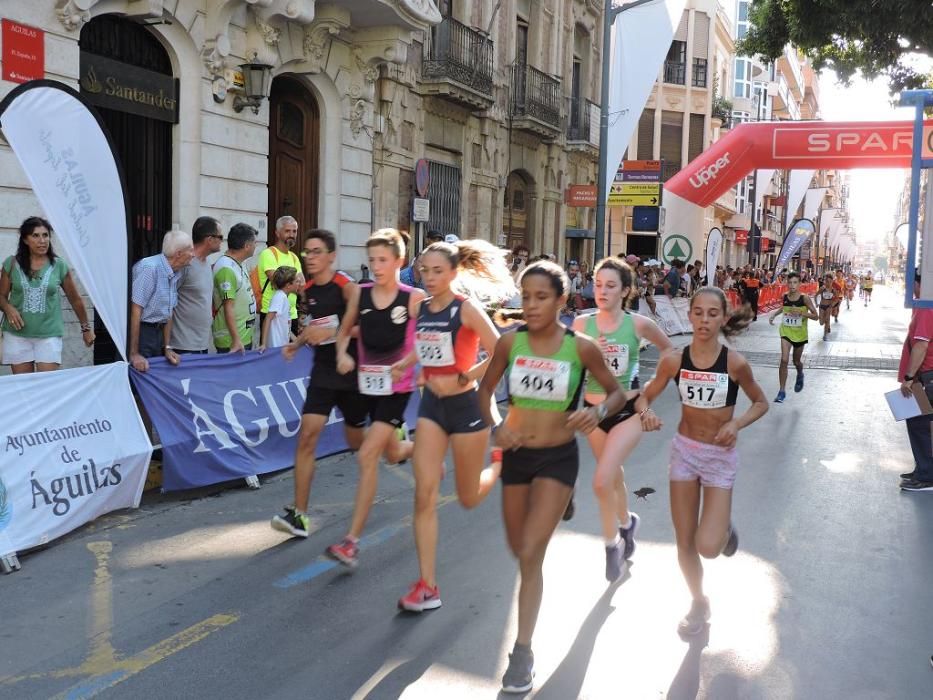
column 620, row 350
column 550, row 383
column 794, row 320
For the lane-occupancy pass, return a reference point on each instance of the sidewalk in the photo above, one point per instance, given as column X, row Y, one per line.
column 851, row 344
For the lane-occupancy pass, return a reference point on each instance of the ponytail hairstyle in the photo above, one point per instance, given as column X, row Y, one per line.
column 390, row 238
column 626, row 276
column 736, row 321
column 482, row 272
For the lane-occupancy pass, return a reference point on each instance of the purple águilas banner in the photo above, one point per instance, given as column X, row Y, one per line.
column 223, row 417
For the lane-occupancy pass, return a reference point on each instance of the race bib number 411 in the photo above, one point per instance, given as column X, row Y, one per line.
column 793, row 321
column 539, row 378
column 703, row 389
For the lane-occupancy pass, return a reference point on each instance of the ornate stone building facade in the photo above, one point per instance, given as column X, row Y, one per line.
column 498, row 97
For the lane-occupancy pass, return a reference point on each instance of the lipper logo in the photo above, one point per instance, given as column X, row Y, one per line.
column 6, row 507
column 703, row 177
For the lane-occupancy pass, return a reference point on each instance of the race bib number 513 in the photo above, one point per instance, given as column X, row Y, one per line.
column 538, row 378
column 374, row 380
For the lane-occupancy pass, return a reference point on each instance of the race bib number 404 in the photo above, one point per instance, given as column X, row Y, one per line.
column 435, row 348
column 538, row 378
column 703, row 389
column 374, row 380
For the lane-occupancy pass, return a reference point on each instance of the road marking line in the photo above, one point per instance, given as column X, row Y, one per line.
column 126, row 669
column 101, row 667
column 323, row 563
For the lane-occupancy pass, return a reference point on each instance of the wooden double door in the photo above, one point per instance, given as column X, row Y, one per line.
column 294, row 154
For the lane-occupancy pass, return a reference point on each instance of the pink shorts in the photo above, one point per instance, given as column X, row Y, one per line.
column 711, row 464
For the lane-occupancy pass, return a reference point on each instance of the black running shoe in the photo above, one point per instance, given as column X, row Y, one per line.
column 520, row 675
column 914, row 485
column 909, row 476
column 293, row 522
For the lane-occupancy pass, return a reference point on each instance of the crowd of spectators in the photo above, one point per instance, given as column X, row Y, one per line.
column 182, row 303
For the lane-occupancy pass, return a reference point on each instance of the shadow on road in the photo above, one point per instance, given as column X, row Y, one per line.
column 567, row 679
column 686, row 683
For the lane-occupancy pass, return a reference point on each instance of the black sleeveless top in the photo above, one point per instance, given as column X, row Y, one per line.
column 706, row 388
column 324, row 305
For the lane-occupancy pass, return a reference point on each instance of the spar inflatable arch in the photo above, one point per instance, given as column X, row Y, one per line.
column 786, row 146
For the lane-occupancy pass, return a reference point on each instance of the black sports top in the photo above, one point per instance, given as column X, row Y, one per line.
column 387, row 335
column 325, row 306
column 711, row 387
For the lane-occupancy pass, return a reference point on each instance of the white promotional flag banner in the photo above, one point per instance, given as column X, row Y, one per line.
column 827, row 217
column 796, row 189
column 762, row 184
column 641, row 38
column 713, row 251
column 811, row 203
column 71, row 168
column 79, row 451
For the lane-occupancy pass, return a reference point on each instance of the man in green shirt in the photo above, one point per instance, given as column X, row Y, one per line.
column 234, row 306
column 275, row 256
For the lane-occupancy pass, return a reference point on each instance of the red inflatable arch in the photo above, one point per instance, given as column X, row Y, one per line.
column 787, row 146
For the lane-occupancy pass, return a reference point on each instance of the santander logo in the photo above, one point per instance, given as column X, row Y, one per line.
column 703, row 177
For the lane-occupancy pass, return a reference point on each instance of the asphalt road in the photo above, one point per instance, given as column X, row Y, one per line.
column 828, row 597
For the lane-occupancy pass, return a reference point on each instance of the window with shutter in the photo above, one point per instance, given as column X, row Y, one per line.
column 646, row 135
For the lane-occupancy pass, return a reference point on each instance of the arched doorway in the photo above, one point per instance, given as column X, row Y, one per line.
column 121, row 59
column 294, row 148
column 517, row 210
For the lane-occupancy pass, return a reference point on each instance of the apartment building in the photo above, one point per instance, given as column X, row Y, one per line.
column 678, row 123
column 491, row 101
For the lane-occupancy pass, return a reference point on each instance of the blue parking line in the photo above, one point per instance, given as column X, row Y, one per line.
column 323, row 564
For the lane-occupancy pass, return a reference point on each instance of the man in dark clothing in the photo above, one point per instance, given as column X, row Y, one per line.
column 674, row 279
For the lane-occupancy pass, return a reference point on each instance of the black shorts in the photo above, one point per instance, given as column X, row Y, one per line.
column 387, row 409
column 867, row 290
column 353, row 405
column 524, row 465
column 794, row 343
column 610, row 422
column 454, row 414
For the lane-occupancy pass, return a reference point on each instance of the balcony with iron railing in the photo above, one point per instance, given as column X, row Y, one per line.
column 675, row 72
column 458, row 64
column 536, row 100
column 583, row 125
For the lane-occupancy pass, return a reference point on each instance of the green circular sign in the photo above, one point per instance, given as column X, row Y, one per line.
column 676, row 247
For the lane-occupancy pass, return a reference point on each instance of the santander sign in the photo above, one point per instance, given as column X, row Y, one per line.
column 795, row 145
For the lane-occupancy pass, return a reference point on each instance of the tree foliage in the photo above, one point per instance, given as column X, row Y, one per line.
column 871, row 36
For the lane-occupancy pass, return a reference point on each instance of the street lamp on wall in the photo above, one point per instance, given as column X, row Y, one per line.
column 257, row 81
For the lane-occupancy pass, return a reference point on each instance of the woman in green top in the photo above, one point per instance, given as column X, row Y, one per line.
column 30, row 303
column 619, row 335
column 545, row 361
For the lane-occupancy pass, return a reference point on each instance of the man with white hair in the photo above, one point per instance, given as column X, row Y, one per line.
column 153, row 298
column 277, row 255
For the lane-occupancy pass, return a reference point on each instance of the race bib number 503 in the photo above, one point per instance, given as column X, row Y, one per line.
column 538, row 378
column 435, row 348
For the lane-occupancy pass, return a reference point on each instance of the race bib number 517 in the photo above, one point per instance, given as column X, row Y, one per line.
column 703, row 389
